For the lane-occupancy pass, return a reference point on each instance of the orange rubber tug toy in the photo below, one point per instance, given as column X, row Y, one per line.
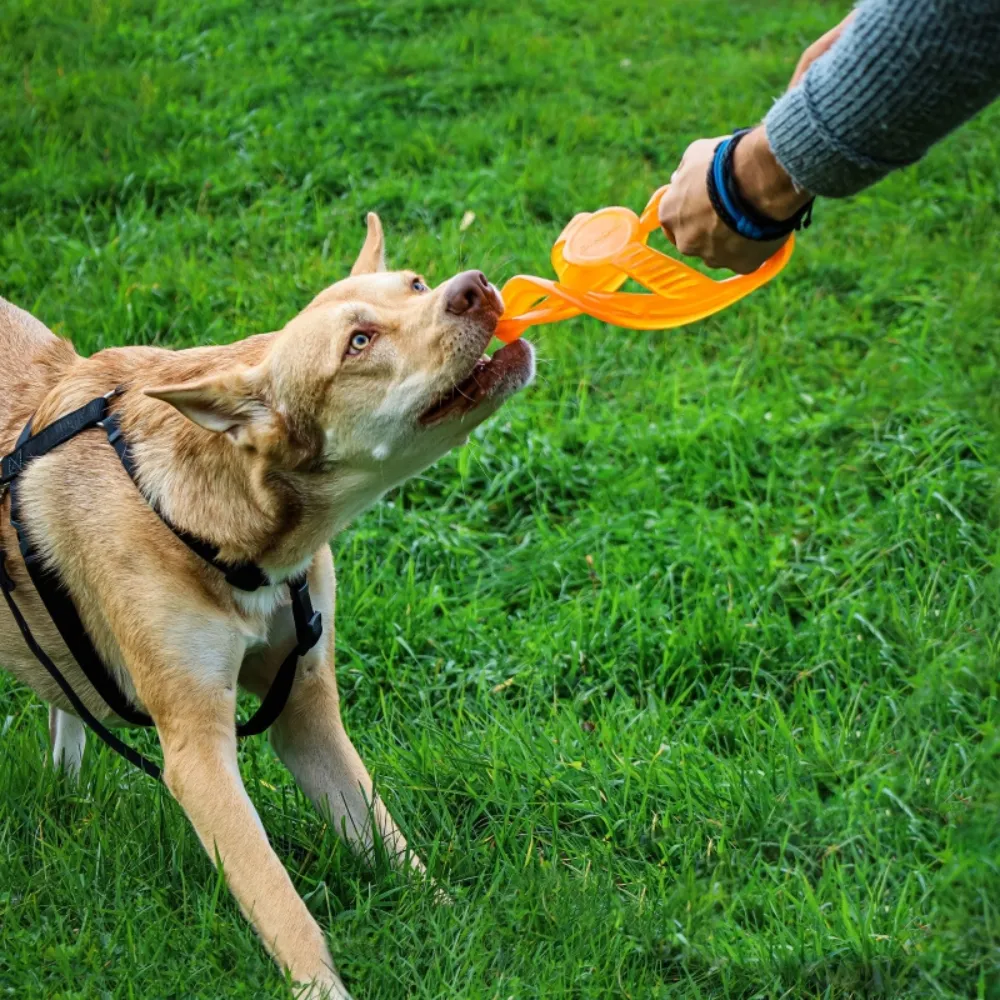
column 597, row 253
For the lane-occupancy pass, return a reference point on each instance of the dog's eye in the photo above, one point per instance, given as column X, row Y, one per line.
column 418, row 285
column 359, row 341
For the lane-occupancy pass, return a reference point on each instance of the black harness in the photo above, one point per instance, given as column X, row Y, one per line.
column 244, row 576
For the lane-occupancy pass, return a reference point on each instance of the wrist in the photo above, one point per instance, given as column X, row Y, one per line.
column 763, row 181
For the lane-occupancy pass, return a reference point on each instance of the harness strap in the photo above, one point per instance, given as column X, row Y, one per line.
column 55, row 434
column 67, row 621
column 60, row 606
column 132, row 756
column 243, row 576
column 308, row 629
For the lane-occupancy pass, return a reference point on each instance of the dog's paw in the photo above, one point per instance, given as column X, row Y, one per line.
column 441, row 896
column 321, row 991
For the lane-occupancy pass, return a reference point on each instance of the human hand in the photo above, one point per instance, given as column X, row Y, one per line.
column 691, row 223
column 686, row 213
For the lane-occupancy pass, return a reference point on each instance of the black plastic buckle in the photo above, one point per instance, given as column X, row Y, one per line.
column 313, row 632
column 308, row 623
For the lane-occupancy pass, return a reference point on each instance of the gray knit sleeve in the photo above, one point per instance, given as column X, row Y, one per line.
column 903, row 74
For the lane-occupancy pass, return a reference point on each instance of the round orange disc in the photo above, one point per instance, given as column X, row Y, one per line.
column 595, row 240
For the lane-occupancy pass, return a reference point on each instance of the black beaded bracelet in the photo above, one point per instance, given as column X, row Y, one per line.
column 733, row 208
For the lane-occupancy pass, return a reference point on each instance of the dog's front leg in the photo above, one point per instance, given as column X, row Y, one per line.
column 68, row 736
column 311, row 740
column 197, row 733
column 309, row 735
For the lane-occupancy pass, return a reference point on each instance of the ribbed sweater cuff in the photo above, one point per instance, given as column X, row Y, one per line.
column 812, row 157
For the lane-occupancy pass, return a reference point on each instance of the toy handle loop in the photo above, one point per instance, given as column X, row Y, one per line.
column 594, row 256
column 649, row 221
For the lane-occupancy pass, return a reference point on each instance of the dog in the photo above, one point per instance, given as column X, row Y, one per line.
column 267, row 448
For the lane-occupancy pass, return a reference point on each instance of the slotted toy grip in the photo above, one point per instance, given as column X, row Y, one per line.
column 597, row 253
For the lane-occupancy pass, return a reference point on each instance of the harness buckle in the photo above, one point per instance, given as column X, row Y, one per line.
column 311, row 632
column 308, row 623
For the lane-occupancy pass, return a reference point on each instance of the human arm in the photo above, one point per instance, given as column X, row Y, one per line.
column 903, row 74
column 868, row 97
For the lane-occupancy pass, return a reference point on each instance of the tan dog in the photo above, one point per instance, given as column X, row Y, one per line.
column 267, row 448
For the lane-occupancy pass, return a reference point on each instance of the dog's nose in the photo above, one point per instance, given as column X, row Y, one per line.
column 470, row 292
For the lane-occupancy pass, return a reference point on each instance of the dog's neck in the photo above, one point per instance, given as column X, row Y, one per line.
column 198, row 479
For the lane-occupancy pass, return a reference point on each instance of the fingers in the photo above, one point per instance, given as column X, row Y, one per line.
column 690, row 223
column 666, row 212
column 685, row 211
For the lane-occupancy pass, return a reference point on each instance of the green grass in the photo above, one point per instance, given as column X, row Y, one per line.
column 683, row 674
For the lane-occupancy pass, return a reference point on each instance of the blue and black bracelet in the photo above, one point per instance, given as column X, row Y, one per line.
column 732, row 207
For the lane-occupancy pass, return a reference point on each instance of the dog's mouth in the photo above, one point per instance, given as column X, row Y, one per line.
column 494, row 378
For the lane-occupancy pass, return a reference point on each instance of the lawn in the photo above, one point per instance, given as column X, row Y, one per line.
column 683, row 675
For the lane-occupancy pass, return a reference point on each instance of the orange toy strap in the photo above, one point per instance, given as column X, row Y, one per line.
column 649, row 221
column 593, row 260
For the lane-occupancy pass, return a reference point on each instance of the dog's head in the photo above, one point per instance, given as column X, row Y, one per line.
column 374, row 380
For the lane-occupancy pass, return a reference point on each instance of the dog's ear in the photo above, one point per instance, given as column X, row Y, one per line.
column 372, row 256
column 225, row 403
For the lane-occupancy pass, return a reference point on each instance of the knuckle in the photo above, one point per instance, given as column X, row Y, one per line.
column 687, row 246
